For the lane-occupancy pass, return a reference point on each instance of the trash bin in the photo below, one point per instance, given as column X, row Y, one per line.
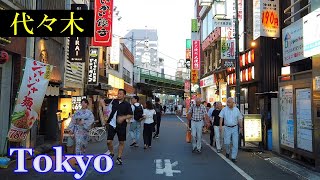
column 269, row 139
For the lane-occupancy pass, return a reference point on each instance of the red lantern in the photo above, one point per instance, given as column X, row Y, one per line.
column 4, row 57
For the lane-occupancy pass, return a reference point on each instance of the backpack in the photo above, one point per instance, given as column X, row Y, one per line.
column 138, row 113
column 157, row 107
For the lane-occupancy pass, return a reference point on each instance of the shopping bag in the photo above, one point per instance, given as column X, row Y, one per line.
column 188, row 136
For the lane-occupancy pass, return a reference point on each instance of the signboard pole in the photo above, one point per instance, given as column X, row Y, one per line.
column 237, row 55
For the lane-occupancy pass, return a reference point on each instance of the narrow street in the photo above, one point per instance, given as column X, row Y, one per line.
column 171, row 146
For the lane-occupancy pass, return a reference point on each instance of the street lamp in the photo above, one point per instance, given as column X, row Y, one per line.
column 253, row 44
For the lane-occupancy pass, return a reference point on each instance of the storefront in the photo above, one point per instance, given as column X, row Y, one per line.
column 12, row 51
column 248, row 84
column 208, row 89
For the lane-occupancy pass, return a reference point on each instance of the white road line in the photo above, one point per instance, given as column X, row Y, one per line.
column 235, row 167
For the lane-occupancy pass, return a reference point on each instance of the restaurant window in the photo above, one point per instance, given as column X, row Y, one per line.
column 115, row 67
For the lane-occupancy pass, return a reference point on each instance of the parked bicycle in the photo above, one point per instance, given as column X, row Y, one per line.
column 98, row 133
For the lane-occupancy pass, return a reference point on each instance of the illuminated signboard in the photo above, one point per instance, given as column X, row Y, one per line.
column 252, row 128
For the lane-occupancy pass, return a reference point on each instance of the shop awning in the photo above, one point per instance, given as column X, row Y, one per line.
column 53, row 90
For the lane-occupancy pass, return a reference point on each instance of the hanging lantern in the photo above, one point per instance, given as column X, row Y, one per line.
column 4, row 57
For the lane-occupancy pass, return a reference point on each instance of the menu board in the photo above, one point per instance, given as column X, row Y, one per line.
column 76, row 102
column 286, row 116
column 304, row 119
column 252, row 128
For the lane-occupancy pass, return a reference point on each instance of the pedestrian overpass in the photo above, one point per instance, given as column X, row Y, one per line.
column 149, row 82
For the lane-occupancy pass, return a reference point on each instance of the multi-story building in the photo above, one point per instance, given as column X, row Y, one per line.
column 143, row 43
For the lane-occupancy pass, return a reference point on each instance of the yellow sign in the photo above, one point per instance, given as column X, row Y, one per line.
column 116, row 82
column 252, row 128
column 194, row 76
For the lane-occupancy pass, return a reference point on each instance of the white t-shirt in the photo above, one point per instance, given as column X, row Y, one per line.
column 149, row 115
column 133, row 108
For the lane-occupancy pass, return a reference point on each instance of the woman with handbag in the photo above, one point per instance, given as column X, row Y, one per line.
column 149, row 115
column 79, row 127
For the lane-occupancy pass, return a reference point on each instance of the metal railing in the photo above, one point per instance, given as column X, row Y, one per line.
column 159, row 76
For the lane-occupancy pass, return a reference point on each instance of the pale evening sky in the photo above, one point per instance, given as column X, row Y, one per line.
column 172, row 19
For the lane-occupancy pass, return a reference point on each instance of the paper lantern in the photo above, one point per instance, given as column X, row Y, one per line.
column 4, row 57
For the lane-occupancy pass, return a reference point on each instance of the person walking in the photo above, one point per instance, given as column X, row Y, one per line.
column 121, row 112
column 197, row 115
column 215, row 126
column 158, row 109
column 135, row 122
column 79, row 127
column 148, row 115
column 232, row 118
column 211, row 123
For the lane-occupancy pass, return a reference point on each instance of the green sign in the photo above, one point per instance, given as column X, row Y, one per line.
column 194, row 25
column 188, row 44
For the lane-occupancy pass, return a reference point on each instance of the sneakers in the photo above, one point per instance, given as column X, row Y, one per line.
column 157, row 136
column 234, row 160
column 199, row 151
column 111, row 155
column 133, row 144
column 107, row 153
column 219, row 151
column 119, row 161
column 194, row 150
column 227, row 156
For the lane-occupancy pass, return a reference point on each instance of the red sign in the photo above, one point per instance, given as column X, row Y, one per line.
column 103, row 10
column 196, row 55
column 186, row 86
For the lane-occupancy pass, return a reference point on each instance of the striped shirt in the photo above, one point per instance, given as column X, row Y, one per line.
column 198, row 112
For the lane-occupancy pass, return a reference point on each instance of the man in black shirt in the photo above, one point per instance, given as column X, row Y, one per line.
column 158, row 109
column 216, row 124
column 121, row 112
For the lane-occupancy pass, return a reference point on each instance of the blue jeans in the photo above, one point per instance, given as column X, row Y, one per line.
column 135, row 131
column 231, row 132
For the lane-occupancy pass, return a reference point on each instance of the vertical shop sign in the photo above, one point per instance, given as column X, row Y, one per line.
column 196, row 55
column 194, row 25
column 194, row 76
column 188, row 43
column 266, row 18
column 227, row 49
column 93, row 70
column 186, row 86
column 115, row 51
column 76, row 102
column 286, row 116
column 103, row 12
column 30, row 97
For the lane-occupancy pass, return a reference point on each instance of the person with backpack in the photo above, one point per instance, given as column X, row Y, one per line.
column 135, row 122
column 158, row 109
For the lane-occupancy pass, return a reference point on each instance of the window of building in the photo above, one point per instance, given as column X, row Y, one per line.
column 115, row 67
column 126, row 75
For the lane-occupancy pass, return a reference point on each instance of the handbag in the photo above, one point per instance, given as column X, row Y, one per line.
column 188, row 136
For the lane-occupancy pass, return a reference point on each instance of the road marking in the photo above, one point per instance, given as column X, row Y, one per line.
column 235, row 167
column 167, row 170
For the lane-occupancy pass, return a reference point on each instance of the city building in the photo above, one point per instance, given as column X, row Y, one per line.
column 143, row 43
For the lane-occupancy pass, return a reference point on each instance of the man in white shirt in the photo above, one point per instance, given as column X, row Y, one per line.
column 135, row 125
column 232, row 119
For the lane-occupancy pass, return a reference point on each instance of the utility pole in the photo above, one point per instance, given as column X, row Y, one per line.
column 132, row 44
column 237, row 55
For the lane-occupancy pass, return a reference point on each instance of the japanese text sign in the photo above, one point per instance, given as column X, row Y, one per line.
column 266, row 20
column 186, row 86
column 93, row 71
column 188, row 54
column 76, row 102
column 194, row 76
column 194, row 25
column 77, row 45
column 188, row 43
column 103, row 12
column 227, row 49
column 222, row 22
column 196, row 55
column 46, row 23
column 30, row 97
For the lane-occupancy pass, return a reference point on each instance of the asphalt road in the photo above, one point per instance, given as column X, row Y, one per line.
column 169, row 158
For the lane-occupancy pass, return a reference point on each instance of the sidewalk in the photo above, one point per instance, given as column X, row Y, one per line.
column 260, row 165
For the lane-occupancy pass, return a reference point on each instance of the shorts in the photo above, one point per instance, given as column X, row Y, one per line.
column 120, row 131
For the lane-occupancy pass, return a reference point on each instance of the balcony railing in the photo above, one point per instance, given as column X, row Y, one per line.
column 159, row 76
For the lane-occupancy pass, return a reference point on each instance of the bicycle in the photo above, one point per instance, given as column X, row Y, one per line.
column 98, row 133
